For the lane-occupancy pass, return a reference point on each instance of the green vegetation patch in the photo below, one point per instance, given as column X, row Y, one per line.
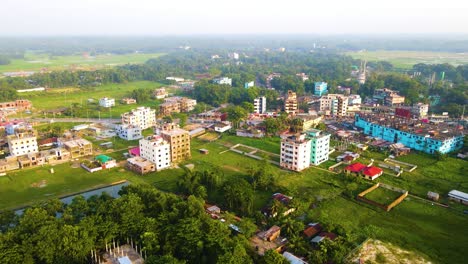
column 35, row 62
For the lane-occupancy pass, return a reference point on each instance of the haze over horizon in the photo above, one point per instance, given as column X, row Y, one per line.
column 181, row 17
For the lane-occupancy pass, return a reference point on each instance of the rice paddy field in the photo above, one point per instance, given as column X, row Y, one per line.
column 406, row 59
column 40, row 61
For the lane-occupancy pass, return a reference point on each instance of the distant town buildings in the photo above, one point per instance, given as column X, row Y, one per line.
column 388, row 97
column 334, row 104
column 160, row 93
column 295, row 152
column 420, row 110
column 143, row 117
column 260, row 105
column 233, row 55
column 156, row 150
column 176, row 79
column 320, row 146
column 106, row 102
column 304, row 77
column 249, row 84
column 290, row 103
column 223, row 80
column 320, row 88
column 176, row 104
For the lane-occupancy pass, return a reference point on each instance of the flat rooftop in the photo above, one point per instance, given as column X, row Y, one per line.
column 439, row 131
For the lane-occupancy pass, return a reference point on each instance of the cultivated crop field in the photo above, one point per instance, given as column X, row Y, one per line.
column 66, row 97
column 406, row 59
column 37, row 61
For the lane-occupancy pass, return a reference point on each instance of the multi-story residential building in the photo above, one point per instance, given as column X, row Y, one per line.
column 290, row 103
column 320, row 146
column 128, row 132
column 186, row 104
column 309, row 121
column 320, row 88
column 354, row 99
column 420, row 110
column 388, row 97
column 143, row 117
column 260, row 105
column 77, row 147
column 412, row 133
column 179, row 140
column 17, row 127
column 160, row 93
column 295, row 152
column 334, row 104
column 16, row 105
column 156, row 150
column 167, row 108
column 22, row 143
column 223, row 80
column 106, row 102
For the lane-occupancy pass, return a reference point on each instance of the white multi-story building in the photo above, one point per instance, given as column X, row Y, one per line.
column 260, row 105
column 420, row 109
column 143, row 117
column 295, row 152
column 320, row 146
column 354, row 99
column 223, row 80
column 128, row 132
column 22, row 143
column 156, row 150
column 107, row 102
column 334, row 104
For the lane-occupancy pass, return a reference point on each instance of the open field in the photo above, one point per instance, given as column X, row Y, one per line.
column 383, row 196
column 406, row 59
column 435, row 233
column 50, row 100
column 36, row 61
column 431, row 175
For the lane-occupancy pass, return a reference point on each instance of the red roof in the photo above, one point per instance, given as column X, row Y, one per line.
column 312, row 230
column 47, row 141
column 355, row 167
column 372, row 171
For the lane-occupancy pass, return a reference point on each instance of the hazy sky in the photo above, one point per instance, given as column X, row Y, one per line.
column 180, row 17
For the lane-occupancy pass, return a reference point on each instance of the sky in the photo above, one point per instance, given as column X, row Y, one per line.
column 193, row 17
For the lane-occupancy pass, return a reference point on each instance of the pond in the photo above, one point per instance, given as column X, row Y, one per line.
column 112, row 190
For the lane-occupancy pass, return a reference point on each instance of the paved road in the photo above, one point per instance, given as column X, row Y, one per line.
column 77, row 120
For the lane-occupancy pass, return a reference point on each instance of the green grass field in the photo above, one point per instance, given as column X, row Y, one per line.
column 431, row 175
column 383, row 196
column 66, row 97
column 35, row 61
column 406, row 59
column 432, row 231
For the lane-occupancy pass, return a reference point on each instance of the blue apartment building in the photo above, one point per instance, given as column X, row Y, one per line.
column 413, row 134
column 320, row 88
